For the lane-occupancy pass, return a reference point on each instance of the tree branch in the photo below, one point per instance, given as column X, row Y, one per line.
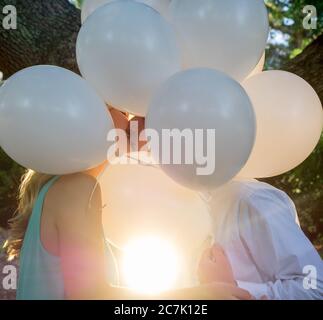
column 46, row 34
column 309, row 65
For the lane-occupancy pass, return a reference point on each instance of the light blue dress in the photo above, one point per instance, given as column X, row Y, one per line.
column 40, row 273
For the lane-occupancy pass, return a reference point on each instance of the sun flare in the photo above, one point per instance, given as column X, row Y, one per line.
column 150, row 265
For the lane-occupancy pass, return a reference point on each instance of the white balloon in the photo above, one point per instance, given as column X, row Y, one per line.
column 289, row 121
column 140, row 201
column 89, row 6
column 52, row 121
column 229, row 35
column 126, row 50
column 204, row 99
column 162, row 6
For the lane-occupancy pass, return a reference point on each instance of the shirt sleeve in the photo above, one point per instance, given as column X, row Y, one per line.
column 288, row 263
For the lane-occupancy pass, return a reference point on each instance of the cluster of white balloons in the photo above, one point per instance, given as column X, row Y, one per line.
column 205, row 55
column 183, row 64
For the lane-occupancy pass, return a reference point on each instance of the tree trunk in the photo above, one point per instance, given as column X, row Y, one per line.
column 309, row 65
column 46, row 34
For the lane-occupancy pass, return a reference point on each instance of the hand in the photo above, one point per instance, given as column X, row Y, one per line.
column 214, row 266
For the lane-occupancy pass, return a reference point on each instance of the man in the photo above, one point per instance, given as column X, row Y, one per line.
column 257, row 233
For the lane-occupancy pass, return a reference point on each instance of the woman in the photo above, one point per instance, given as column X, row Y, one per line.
column 58, row 236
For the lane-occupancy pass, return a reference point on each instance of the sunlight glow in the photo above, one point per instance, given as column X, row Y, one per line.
column 150, row 265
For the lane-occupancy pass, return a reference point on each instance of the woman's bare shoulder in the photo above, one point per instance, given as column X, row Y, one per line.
column 75, row 179
column 75, row 191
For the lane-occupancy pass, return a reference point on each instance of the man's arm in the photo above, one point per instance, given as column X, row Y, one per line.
column 279, row 248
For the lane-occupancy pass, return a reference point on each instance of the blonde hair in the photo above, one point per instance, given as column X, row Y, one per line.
column 31, row 183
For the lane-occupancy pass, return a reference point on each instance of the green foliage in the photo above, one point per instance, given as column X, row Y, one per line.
column 78, row 3
column 288, row 37
column 304, row 186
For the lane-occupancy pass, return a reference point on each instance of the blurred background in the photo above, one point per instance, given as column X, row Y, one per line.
column 46, row 34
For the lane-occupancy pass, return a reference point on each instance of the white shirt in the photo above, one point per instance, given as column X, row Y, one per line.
column 258, row 228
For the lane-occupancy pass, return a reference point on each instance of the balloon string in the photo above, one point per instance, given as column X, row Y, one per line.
column 109, row 245
column 107, row 241
column 142, row 163
column 95, row 186
column 205, row 196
